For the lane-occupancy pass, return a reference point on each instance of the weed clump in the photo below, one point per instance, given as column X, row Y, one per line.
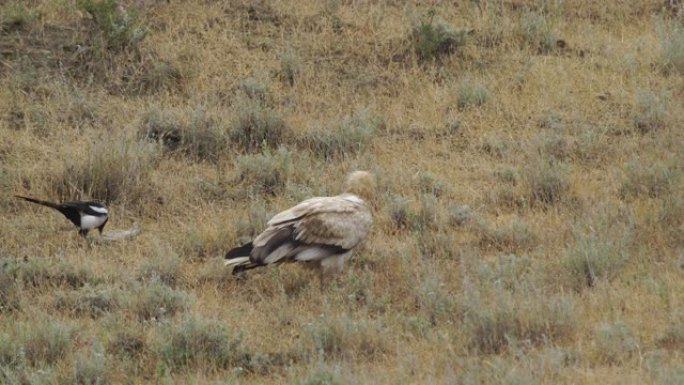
column 118, row 27
column 538, row 33
column 347, row 339
column 650, row 112
column 254, row 89
column 92, row 301
column 200, row 136
column 433, row 39
column 615, row 343
column 321, row 376
column 157, row 76
column 673, row 337
column 198, row 341
column 42, row 273
column 166, row 268
column 90, row 367
column 257, row 128
column 653, row 181
column 459, row 215
column 427, row 183
column 672, row 48
column 513, row 237
column 351, row 136
column 9, row 293
column 530, row 320
column 112, row 172
column 544, row 183
column 266, row 172
column 127, row 341
column 15, row 17
column 472, row 93
column 594, row 258
column 290, row 67
column 400, row 213
column 40, row 341
column 155, row 301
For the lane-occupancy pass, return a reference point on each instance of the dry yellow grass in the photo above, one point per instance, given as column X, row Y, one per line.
column 529, row 225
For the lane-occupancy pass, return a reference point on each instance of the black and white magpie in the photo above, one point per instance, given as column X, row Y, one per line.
column 85, row 215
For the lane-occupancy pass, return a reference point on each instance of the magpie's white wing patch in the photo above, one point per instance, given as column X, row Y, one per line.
column 99, row 209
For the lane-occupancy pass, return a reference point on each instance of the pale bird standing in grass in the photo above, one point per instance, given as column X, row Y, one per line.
column 320, row 231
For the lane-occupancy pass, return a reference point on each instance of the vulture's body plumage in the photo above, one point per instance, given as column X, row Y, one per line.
column 320, row 231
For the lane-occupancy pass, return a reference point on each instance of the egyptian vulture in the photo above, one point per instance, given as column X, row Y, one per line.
column 320, row 231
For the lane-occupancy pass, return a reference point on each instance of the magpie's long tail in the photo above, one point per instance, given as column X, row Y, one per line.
column 40, row 202
column 239, row 258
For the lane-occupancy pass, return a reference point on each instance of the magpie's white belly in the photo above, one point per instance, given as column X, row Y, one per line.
column 89, row 222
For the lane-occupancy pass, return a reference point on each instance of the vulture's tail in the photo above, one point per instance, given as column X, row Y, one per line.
column 242, row 251
column 40, row 202
column 239, row 258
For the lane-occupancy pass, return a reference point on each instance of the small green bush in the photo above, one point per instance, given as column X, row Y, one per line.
column 119, row 26
column 15, row 16
column 432, row 39
column 615, row 343
column 672, row 48
column 200, row 136
column 436, row 303
column 165, row 267
column 90, row 367
column 45, row 273
column 198, row 341
column 650, row 112
column 93, row 301
column 472, row 93
column 510, row 238
column 673, row 336
column 507, row 271
column 535, row 320
column 347, row 339
column 544, row 183
column 157, row 76
column 254, row 89
column 538, row 32
column 266, row 172
column 127, row 341
column 255, row 223
column 400, row 214
column 113, row 171
column 651, row 180
column 290, row 67
column 351, row 136
column 429, row 184
column 35, row 342
column 459, row 215
column 10, row 299
column 321, row 376
column 155, row 301
column 593, row 258
column 257, row 128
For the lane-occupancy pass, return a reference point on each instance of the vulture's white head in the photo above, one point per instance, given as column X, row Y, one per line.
column 361, row 184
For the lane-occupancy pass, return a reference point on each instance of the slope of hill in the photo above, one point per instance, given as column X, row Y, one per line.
column 529, row 217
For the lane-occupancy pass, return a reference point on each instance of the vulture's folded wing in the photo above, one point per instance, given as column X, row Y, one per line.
column 340, row 221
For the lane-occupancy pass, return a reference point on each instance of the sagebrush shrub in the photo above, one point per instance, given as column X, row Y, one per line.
column 113, row 171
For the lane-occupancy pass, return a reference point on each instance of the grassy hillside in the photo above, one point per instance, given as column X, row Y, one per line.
column 529, row 216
